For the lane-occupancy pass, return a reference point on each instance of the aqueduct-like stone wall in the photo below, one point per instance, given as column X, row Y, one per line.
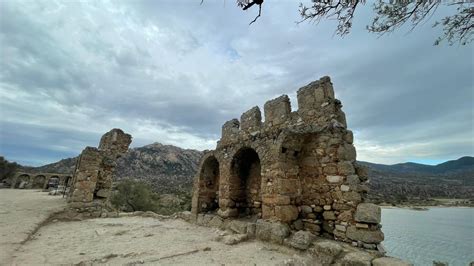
column 38, row 180
column 295, row 167
column 93, row 176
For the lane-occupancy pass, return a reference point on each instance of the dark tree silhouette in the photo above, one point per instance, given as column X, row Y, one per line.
column 389, row 16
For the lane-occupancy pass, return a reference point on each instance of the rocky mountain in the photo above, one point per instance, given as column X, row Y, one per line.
column 166, row 167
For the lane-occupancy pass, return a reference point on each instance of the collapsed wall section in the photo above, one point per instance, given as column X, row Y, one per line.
column 307, row 175
column 93, row 176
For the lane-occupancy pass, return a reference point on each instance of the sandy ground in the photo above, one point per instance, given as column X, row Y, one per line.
column 125, row 240
column 21, row 211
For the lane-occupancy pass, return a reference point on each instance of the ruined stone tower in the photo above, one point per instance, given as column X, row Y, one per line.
column 298, row 168
column 92, row 181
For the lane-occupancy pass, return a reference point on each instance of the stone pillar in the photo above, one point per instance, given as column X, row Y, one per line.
column 93, row 176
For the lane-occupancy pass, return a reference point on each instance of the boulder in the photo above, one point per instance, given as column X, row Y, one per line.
column 325, row 251
column 272, row 231
column 300, row 240
column 368, row 213
column 234, row 239
column 366, row 236
column 389, row 261
column 239, row 227
column 216, row 222
column 356, row 258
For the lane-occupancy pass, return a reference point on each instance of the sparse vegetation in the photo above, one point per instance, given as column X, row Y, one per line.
column 7, row 169
column 131, row 195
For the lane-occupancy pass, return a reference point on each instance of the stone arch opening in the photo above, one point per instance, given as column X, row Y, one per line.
column 39, row 181
column 246, row 183
column 22, row 181
column 53, row 182
column 209, row 185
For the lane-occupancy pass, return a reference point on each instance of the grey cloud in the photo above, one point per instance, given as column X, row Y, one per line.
column 156, row 67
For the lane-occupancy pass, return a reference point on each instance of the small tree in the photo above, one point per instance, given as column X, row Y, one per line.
column 134, row 195
column 7, row 169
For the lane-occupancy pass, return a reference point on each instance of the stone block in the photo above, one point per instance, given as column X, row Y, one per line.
column 325, row 251
column 286, row 213
column 216, row 222
column 300, row 240
column 230, row 128
column 251, row 120
column 368, row 213
column 239, row 227
column 334, row 178
column 272, row 231
column 345, row 168
column 356, row 258
column 366, row 236
column 277, row 110
column 229, row 212
column 389, row 261
column 103, row 193
column 306, row 209
column 329, row 215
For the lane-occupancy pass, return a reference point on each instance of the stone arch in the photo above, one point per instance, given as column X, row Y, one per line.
column 209, row 178
column 246, row 181
column 38, row 181
column 21, row 178
column 53, row 181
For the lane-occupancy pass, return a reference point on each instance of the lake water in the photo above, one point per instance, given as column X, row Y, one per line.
column 443, row 234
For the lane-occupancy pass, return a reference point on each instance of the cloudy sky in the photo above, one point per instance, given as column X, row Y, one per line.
column 174, row 71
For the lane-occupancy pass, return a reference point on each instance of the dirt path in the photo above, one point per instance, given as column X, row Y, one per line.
column 21, row 211
column 138, row 240
column 126, row 240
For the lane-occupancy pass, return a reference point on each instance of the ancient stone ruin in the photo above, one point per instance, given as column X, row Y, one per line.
column 28, row 180
column 93, row 176
column 296, row 168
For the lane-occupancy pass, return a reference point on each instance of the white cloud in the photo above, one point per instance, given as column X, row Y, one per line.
column 174, row 72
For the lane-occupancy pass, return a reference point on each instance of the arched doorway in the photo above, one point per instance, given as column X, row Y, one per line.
column 39, row 181
column 246, row 182
column 209, row 185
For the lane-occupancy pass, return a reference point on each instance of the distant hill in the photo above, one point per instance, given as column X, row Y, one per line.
column 170, row 169
column 412, row 181
column 64, row 166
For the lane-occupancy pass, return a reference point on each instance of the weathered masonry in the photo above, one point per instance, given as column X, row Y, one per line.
column 39, row 180
column 298, row 168
column 93, row 176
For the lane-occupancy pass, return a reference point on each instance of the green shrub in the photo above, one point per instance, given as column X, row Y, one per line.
column 133, row 195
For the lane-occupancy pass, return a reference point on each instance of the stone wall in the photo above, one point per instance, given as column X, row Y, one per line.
column 298, row 168
column 92, row 181
column 31, row 180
